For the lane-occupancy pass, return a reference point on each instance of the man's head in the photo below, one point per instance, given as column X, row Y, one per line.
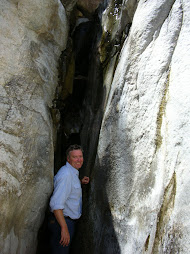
column 75, row 156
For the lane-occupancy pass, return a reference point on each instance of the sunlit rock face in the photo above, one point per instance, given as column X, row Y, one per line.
column 139, row 196
column 32, row 36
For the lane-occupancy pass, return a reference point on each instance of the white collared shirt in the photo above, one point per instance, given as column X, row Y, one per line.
column 67, row 194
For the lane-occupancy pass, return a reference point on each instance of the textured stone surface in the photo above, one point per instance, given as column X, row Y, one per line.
column 69, row 5
column 32, row 36
column 139, row 196
column 89, row 5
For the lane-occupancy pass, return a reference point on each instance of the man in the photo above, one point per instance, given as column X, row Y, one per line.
column 66, row 201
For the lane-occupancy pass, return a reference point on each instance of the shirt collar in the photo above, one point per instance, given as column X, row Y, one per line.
column 74, row 170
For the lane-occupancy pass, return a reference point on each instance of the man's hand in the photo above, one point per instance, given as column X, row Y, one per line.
column 65, row 237
column 85, row 180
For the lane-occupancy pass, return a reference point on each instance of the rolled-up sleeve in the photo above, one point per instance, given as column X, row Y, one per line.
column 62, row 189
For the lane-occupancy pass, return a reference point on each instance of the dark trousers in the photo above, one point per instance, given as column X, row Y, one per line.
column 55, row 234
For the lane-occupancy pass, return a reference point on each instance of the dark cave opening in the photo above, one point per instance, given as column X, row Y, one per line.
column 72, row 107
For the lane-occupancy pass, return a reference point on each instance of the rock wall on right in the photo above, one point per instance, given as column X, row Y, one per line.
column 139, row 197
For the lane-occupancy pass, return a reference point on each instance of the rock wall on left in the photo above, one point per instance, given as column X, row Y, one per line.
column 33, row 33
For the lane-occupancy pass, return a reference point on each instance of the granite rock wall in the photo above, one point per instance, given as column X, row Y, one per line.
column 33, row 35
column 139, row 195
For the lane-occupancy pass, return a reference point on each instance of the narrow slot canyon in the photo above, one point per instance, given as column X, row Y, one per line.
column 112, row 76
column 77, row 109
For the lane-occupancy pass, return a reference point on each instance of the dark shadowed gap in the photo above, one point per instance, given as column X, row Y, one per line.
column 71, row 107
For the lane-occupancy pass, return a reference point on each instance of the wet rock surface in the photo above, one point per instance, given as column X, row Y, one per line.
column 138, row 195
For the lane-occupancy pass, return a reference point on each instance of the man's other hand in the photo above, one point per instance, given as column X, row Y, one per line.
column 85, row 180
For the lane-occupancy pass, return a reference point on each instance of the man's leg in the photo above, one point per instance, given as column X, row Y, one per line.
column 55, row 231
column 71, row 227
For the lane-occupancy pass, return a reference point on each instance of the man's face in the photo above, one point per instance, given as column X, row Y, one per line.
column 75, row 158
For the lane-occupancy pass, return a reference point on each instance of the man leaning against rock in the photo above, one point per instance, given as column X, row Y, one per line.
column 66, row 201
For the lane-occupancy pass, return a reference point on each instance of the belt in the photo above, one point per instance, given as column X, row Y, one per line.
column 67, row 217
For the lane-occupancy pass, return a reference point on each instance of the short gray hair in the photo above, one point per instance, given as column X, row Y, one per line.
column 72, row 148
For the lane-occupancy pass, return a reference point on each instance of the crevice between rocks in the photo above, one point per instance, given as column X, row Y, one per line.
column 163, row 225
column 76, row 107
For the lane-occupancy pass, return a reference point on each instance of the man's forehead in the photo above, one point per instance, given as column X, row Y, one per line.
column 78, row 151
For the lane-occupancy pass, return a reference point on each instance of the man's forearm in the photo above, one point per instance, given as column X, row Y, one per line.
column 65, row 237
column 60, row 218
